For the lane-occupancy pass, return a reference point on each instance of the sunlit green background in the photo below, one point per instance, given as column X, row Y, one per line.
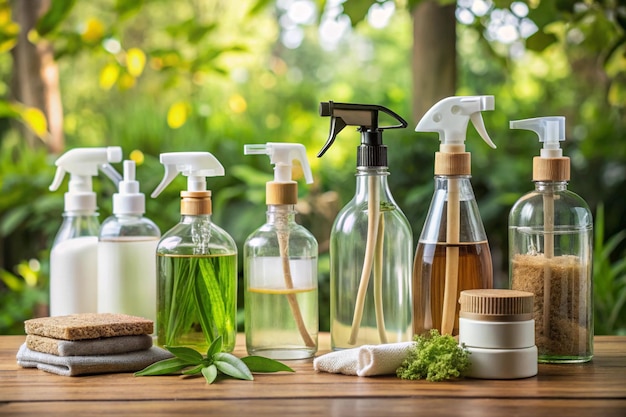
column 212, row 75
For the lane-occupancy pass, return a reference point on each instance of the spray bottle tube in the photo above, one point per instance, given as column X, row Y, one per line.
column 370, row 238
column 280, row 266
column 74, row 254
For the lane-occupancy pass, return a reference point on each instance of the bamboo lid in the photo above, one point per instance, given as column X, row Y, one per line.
column 194, row 203
column 496, row 305
column 453, row 163
column 551, row 169
column 281, row 193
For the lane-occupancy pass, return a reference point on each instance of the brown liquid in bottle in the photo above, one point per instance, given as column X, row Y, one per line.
column 429, row 276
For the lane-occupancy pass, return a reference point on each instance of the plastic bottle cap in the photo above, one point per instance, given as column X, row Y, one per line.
column 372, row 152
column 196, row 166
column 82, row 164
column 449, row 118
column 129, row 200
column 551, row 165
column 283, row 190
column 496, row 305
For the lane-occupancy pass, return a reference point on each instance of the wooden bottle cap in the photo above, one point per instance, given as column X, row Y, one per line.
column 551, row 169
column 457, row 163
column 194, row 203
column 281, row 193
column 496, row 305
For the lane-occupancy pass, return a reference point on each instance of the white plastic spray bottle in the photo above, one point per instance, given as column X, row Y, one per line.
column 196, row 263
column 74, row 254
column 550, row 250
column 452, row 254
column 371, row 238
column 280, row 266
column 127, row 253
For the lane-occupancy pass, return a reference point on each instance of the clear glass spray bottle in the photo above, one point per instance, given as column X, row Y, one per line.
column 452, row 253
column 371, row 242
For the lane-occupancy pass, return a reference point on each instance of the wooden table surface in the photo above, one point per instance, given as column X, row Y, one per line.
column 597, row 388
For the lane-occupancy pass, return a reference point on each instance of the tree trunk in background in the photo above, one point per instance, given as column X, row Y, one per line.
column 36, row 75
column 434, row 55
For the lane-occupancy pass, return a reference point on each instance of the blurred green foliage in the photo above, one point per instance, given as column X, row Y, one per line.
column 165, row 76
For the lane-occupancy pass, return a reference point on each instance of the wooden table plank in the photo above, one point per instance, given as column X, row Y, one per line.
column 375, row 407
column 599, row 386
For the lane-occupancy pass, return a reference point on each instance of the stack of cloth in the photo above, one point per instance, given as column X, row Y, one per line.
column 90, row 343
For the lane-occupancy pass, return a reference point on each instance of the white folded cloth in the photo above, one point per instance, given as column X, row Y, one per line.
column 97, row 364
column 366, row 360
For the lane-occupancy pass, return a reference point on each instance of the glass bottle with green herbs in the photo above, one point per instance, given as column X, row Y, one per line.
column 196, row 263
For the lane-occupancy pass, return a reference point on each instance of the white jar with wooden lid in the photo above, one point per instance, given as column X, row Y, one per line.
column 497, row 327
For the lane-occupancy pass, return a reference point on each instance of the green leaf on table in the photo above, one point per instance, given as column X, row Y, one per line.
column 232, row 365
column 164, row 367
column 263, row 364
column 190, row 362
column 189, row 355
column 195, row 370
column 216, row 346
column 210, row 373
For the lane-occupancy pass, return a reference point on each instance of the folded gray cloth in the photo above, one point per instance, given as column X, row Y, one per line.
column 83, row 365
column 90, row 347
column 366, row 360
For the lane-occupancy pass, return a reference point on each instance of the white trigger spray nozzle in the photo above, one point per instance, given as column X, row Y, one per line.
column 82, row 164
column 450, row 117
column 196, row 166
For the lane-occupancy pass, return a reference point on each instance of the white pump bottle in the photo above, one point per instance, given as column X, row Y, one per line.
column 127, row 253
column 452, row 254
column 74, row 254
column 196, row 263
column 550, row 250
column 280, row 266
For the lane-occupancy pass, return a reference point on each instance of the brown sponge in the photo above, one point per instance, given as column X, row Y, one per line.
column 88, row 326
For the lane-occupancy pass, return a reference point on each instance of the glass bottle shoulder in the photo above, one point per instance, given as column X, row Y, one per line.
column 569, row 209
column 128, row 227
column 266, row 239
column 77, row 225
column 471, row 228
column 197, row 236
column 356, row 210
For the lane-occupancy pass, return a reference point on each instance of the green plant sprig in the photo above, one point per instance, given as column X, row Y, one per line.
column 187, row 361
column 435, row 357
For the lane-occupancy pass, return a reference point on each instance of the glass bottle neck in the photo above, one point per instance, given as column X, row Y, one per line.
column 188, row 219
column 550, row 186
column 129, row 217
column 281, row 214
column 372, row 180
column 442, row 181
column 459, row 184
